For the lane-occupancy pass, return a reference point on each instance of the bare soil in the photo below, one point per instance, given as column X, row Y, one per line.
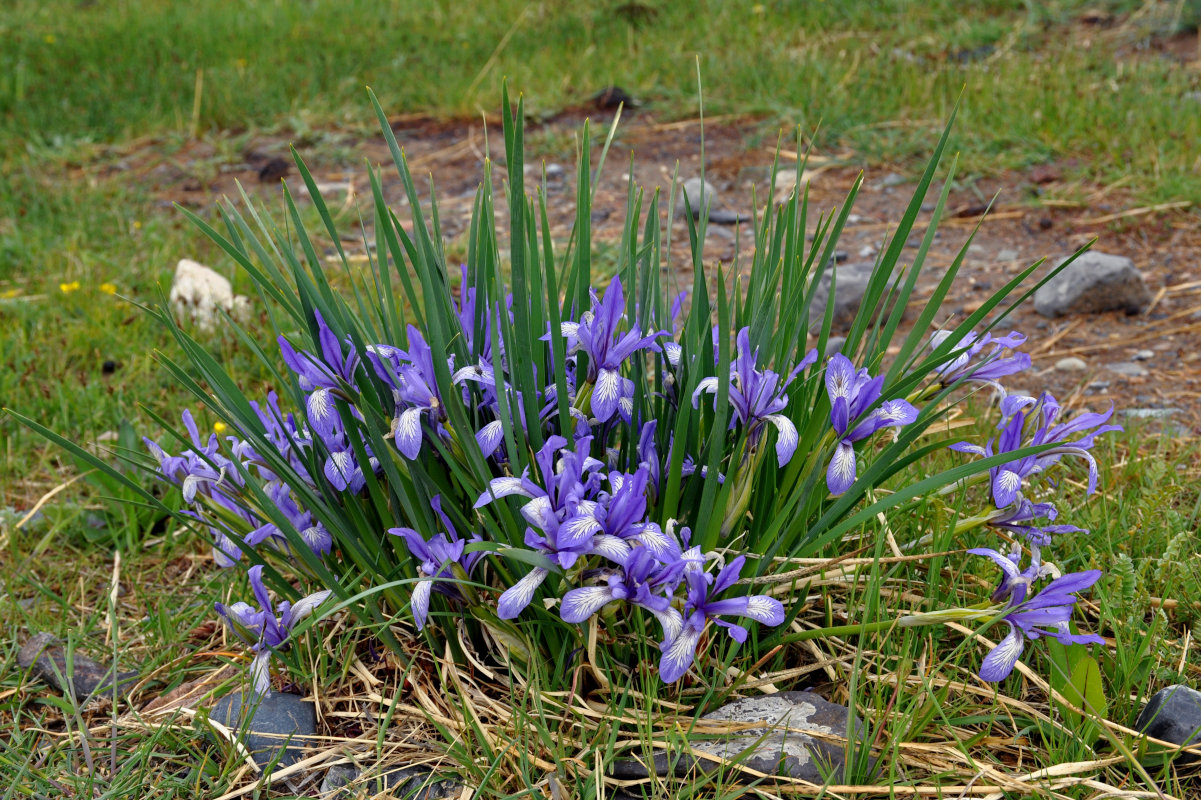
column 1030, row 220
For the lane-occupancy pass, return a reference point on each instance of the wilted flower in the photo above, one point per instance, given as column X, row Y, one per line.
column 851, row 395
column 261, row 629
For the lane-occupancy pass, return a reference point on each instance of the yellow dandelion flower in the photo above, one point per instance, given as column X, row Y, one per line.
column 137, row 224
column 108, row 288
column 67, row 288
column 9, row 294
column 219, row 427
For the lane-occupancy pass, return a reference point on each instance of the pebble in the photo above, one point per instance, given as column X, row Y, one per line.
column 1008, row 255
column 1128, row 369
column 700, row 194
column 892, row 179
column 1071, row 364
column 867, row 251
column 411, row 783
column 1143, row 355
column 1174, row 715
column 278, row 728
column 1149, row 413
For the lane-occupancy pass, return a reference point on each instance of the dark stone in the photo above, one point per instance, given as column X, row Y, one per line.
column 109, row 367
column 610, row 97
column 46, row 658
column 727, row 217
column 274, row 170
column 406, row 783
column 777, row 744
column 276, row 726
column 1093, row 283
column 1174, row 715
column 851, row 286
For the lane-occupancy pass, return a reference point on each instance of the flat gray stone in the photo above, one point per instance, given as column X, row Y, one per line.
column 1174, row 715
column 700, row 194
column 1008, row 255
column 407, row 783
column 851, row 281
column 1129, row 369
column 783, row 740
column 1143, row 355
column 46, row 658
column 1093, row 283
column 275, row 728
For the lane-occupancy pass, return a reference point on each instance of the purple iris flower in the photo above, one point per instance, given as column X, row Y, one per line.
column 989, row 369
column 437, row 557
column 562, row 516
column 622, row 514
column 643, row 580
column 702, row 607
column 597, row 335
column 322, row 377
column 290, row 440
column 312, row 531
column 1022, row 520
column 757, row 396
column 261, row 629
column 413, row 380
column 851, row 395
column 1045, row 614
column 1017, row 413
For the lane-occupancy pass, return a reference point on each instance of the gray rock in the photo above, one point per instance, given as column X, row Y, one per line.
column 1071, row 365
column 777, row 742
column 1174, row 715
column 337, row 779
column 1129, row 369
column 834, row 345
column 1143, row 355
column 1149, row 413
column 867, row 251
column 1008, row 255
column 46, row 658
column 700, row 194
column 719, row 217
column 276, row 727
column 851, row 281
column 407, row 783
column 892, row 179
column 1093, row 283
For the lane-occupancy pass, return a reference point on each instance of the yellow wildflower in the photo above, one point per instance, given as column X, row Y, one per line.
column 219, row 427
column 67, row 288
column 108, row 288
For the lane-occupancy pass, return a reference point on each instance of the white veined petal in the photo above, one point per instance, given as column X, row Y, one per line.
column 420, row 602
column 786, row 442
column 538, row 512
column 672, row 623
column 673, row 352
column 679, row 655
column 706, row 385
column 764, row 609
column 606, row 393
column 260, row 674
column 407, row 432
column 515, row 599
column 580, row 604
column 502, row 487
column 611, row 547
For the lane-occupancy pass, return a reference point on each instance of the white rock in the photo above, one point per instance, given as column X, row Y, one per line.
column 1071, row 365
column 199, row 294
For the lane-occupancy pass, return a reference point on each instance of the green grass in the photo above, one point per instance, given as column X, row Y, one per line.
column 80, row 84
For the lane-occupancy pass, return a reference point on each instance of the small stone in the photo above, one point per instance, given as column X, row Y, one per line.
column 46, row 658
column 913, row 242
column 778, row 744
column 336, row 779
column 1128, row 369
column 1099, row 387
column 108, row 367
column 1149, row 413
column 1093, row 283
column 700, row 194
column 274, row 170
column 1143, row 355
column 1071, row 365
column 867, row 251
column 892, row 179
column 610, row 97
column 1008, row 255
column 1173, row 715
column 277, row 726
column 834, row 345
column 199, row 293
column 419, row 783
column 719, row 217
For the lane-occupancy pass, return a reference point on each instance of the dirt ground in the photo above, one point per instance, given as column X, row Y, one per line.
column 1026, row 223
